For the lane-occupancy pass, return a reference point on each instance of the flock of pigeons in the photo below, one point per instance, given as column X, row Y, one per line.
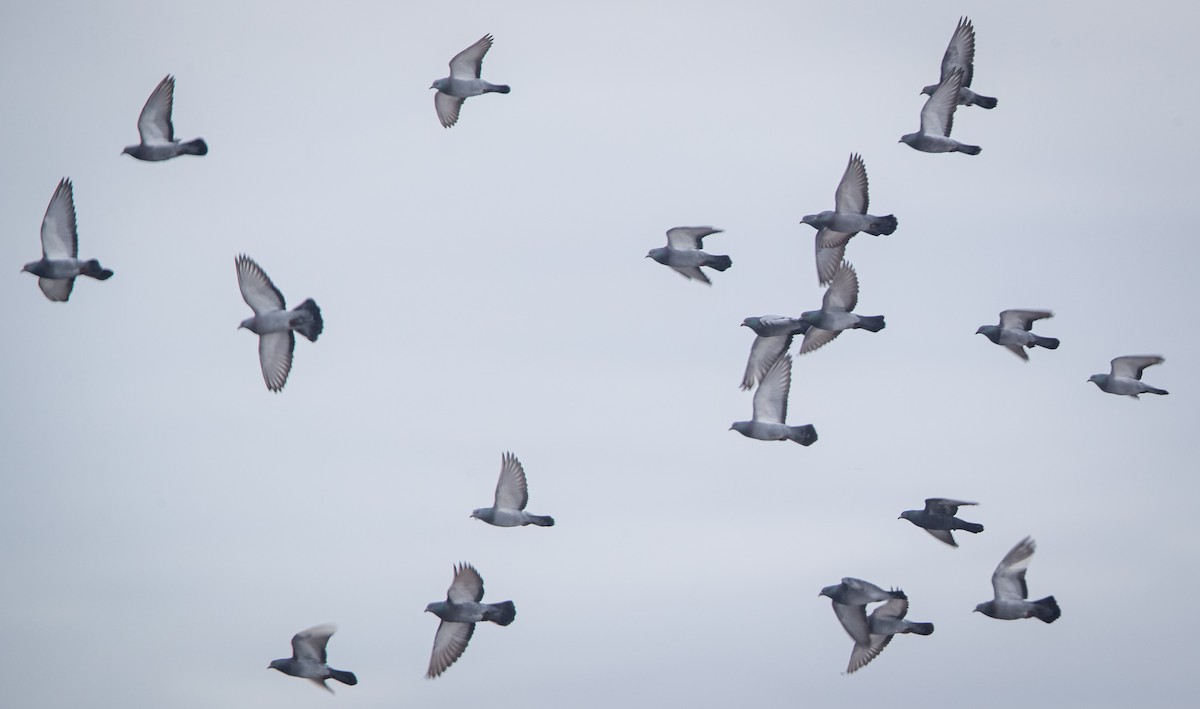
column 769, row 366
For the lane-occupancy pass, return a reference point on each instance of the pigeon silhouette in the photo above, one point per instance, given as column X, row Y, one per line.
column 463, row 82
column 308, row 658
column 60, row 265
column 938, row 519
column 157, row 132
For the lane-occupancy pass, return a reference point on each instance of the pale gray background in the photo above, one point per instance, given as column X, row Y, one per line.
column 166, row 523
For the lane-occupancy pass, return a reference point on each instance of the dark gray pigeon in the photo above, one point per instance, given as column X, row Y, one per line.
column 308, row 658
column 512, row 494
column 773, row 337
column 273, row 323
column 850, row 599
column 937, row 118
column 1008, row 585
column 463, row 82
column 683, row 252
column 849, row 216
column 837, row 312
column 938, row 519
column 459, row 613
column 960, row 55
column 885, row 621
column 770, row 409
column 1125, row 376
column 158, row 132
column 60, row 265
column 1014, row 333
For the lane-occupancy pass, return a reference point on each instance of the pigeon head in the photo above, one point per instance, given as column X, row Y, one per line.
column 751, row 322
column 830, row 590
column 440, row 84
column 278, row 664
column 906, row 514
column 984, row 608
column 817, row 221
column 483, row 513
column 129, row 150
column 928, row 90
column 435, row 607
column 910, row 138
column 660, row 254
column 248, row 323
column 992, row 332
column 1098, row 379
column 742, row 427
column 29, row 267
column 812, row 317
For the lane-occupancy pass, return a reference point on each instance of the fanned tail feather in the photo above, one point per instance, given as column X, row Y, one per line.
column 1047, row 609
column 312, row 325
column 805, row 435
column 720, row 262
column 343, row 676
column 194, row 147
column 93, row 269
column 873, row 323
column 500, row 613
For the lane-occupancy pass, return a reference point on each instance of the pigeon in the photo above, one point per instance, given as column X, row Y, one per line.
column 1008, row 584
column 849, row 216
column 1014, row 331
column 1124, row 378
column 308, row 658
column 938, row 519
column 272, row 323
column 512, row 494
column 937, row 118
column 156, row 130
column 463, row 82
column 836, row 313
column 773, row 337
column 59, row 265
column 884, row 622
column 683, row 252
column 459, row 613
column 850, row 599
column 960, row 55
column 770, row 409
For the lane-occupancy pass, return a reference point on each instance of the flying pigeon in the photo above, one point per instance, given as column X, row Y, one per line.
column 937, row 118
column 938, row 519
column 683, row 252
column 1008, row 584
column 59, row 265
column 459, row 613
column 960, row 55
column 849, row 216
column 308, row 658
column 885, row 621
column 773, row 337
column 512, row 494
column 273, row 323
column 1014, row 331
column 156, row 130
column 1125, row 376
column 837, row 312
column 770, row 409
column 463, row 82
column 850, row 599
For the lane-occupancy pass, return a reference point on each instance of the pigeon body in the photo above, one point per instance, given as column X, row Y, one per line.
column 157, row 131
column 273, row 323
column 884, row 622
column 683, row 252
column 1011, row 593
column 308, row 658
column 937, row 118
column 1125, row 376
column 836, row 313
column 960, row 55
column 773, row 337
column 938, row 518
column 1014, row 332
column 460, row 612
column 770, row 409
column 464, row 82
column 512, row 494
column 849, row 216
column 60, row 266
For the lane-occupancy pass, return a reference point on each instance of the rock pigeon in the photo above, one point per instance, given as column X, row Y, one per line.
column 1014, row 331
column 938, row 519
column 770, row 409
column 1008, row 584
column 960, row 55
column 463, row 82
column 59, row 265
column 886, row 621
column 273, row 323
column 1125, row 377
column 459, row 613
column 937, row 118
column 512, row 494
column 850, row 599
column 157, row 131
column 849, row 216
column 773, row 337
column 308, row 658
column 836, row 313
column 683, row 252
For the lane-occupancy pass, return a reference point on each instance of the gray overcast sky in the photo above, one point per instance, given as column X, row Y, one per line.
column 166, row 523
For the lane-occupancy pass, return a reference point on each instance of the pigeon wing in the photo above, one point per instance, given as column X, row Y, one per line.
column 689, row 238
column 1134, row 365
column 257, row 289
column 59, row 238
column 467, row 586
column 512, row 491
column 842, row 293
column 57, row 289
column 937, row 116
column 1022, row 319
column 771, row 397
column 275, row 357
column 468, row 64
column 944, row 506
column 861, row 655
column 854, row 620
column 960, row 53
column 154, row 124
column 310, row 644
column 763, row 354
column 851, row 195
column 1008, row 581
column 943, row 535
column 816, row 338
column 692, row 273
column 831, row 250
column 448, row 645
column 447, row 108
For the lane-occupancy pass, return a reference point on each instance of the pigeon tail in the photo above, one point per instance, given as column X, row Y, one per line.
column 500, row 613
column 498, row 88
column 883, row 226
column 541, row 520
column 985, row 101
column 194, row 147
column 1046, row 609
column 1149, row 389
column 971, row 527
column 1050, row 343
column 93, row 269
column 311, row 325
column 921, row 628
column 719, row 262
column 969, row 149
column 343, row 676
column 805, row 435
column 873, row 323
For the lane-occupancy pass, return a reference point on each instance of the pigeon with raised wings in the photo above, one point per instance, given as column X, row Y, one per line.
column 937, row 119
column 837, row 312
column 1011, row 593
column 273, row 323
column 773, row 337
column 770, row 409
column 1125, row 376
column 960, row 56
column 463, row 82
column 157, row 131
column 512, row 494
column 683, row 252
column 1014, row 331
column 60, row 266
column 308, row 658
column 459, row 613
column 886, row 621
column 848, row 217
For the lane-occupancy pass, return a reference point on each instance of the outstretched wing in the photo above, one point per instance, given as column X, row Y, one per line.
column 512, row 491
column 154, row 125
column 689, row 237
column 310, row 644
column 851, row 195
column 275, row 357
column 937, row 116
column 1022, row 319
column 447, row 108
column 448, row 645
column 257, row 289
column 59, row 237
column 763, row 353
column 468, row 64
column 467, row 586
column 842, row 293
column 944, row 506
column 1134, row 365
column 1008, row 581
column 960, row 53
column 771, row 397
